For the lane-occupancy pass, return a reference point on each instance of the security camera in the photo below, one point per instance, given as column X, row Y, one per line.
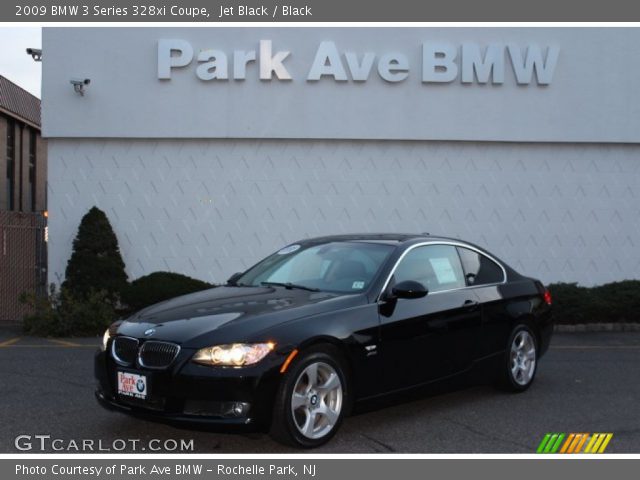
column 35, row 53
column 79, row 84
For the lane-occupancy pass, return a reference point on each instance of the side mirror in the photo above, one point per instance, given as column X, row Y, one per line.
column 234, row 278
column 409, row 289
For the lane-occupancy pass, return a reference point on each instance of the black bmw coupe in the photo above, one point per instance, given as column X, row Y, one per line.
column 295, row 342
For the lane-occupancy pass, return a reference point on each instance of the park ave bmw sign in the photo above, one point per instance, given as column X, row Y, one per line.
column 441, row 63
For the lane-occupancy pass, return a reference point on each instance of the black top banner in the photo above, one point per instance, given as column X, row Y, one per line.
column 319, row 11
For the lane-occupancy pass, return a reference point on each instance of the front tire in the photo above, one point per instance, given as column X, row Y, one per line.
column 520, row 361
column 312, row 399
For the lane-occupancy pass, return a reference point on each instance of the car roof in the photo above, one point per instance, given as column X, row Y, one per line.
column 387, row 238
column 398, row 239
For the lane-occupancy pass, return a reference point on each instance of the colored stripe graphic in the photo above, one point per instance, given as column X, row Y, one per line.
column 550, row 443
column 556, row 445
column 574, row 443
column 593, row 443
column 583, row 439
column 543, row 443
column 576, row 439
column 567, row 443
column 605, row 442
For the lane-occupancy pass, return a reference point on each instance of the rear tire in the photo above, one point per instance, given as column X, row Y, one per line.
column 520, row 361
column 312, row 399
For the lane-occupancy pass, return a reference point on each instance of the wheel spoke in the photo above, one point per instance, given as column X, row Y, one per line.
column 330, row 415
column 312, row 375
column 309, row 424
column 332, row 383
column 298, row 400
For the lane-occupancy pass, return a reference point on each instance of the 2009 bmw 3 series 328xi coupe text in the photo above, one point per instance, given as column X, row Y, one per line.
column 293, row 343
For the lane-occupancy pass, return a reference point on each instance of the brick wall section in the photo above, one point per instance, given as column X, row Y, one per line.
column 16, row 170
column 3, row 163
column 22, row 247
column 16, row 165
column 21, row 171
column 41, row 174
column 22, row 258
column 23, row 204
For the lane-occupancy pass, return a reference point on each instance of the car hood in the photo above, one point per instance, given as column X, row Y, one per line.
column 230, row 314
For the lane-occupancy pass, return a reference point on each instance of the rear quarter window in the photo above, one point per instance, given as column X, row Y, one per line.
column 479, row 269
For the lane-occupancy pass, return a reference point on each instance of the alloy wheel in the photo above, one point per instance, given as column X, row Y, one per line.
column 523, row 357
column 316, row 400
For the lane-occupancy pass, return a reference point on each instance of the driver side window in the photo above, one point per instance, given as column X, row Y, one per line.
column 437, row 267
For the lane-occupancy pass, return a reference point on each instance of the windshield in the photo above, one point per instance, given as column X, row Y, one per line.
column 344, row 267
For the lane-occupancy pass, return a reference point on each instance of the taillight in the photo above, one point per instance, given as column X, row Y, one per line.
column 547, row 296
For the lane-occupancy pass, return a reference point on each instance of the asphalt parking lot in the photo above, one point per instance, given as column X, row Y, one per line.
column 588, row 382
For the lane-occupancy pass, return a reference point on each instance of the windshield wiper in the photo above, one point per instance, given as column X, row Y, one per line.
column 289, row 286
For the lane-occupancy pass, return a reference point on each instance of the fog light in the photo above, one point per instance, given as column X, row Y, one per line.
column 206, row 408
column 236, row 409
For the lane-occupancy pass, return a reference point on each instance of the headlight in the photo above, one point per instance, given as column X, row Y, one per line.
column 105, row 339
column 234, row 355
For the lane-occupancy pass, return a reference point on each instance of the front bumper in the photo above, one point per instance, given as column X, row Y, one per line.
column 192, row 395
column 213, row 423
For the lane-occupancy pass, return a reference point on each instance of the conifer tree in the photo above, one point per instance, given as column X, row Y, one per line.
column 95, row 264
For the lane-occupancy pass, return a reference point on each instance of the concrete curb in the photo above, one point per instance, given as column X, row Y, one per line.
column 598, row 327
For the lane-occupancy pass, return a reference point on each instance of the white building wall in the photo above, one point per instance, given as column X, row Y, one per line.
column 208, row 208
column 593, row 94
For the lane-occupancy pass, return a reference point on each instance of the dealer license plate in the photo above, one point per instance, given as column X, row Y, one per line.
column 132, row 385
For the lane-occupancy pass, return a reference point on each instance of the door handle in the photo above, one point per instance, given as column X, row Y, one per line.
column 470, row 305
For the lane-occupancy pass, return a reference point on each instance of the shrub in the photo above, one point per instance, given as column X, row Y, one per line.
column 60, row 314
column 159, row 286
column 45, row 319
column 95, row 280
column 95, row 264
column 616, row 302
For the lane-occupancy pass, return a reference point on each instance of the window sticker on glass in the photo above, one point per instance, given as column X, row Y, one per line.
column 443, row 269
column 357, row 285
column 289, row 249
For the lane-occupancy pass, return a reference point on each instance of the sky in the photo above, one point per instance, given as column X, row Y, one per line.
column 15, row 64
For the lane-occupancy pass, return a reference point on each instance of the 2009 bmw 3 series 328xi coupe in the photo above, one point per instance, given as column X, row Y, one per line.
column 293, row 343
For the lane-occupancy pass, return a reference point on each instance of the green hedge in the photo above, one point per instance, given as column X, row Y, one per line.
column 96, row 290
column 159, row 286
column 61, row 314
column 617, row 302
column 65, row 314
